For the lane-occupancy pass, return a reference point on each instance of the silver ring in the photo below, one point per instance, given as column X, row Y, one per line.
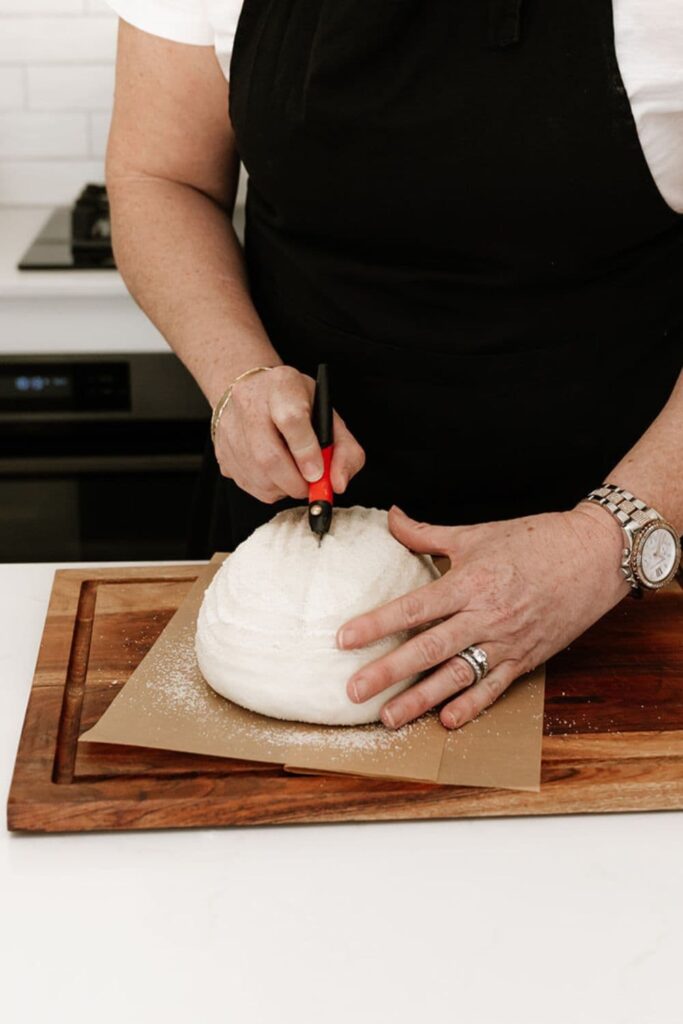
column 477, row 660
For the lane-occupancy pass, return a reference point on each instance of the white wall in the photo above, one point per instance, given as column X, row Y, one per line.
column 56, row 87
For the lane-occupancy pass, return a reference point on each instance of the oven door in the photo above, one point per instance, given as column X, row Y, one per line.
column 99, row 458
column 97, row 508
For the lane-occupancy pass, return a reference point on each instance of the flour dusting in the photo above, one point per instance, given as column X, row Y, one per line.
column 176, row 689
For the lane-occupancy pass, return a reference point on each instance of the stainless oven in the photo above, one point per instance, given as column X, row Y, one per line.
column 99, row 456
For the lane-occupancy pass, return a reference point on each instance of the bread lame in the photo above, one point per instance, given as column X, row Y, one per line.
column 320, row 493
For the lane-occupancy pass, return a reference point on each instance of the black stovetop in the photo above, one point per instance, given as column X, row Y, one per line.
column 76, row 237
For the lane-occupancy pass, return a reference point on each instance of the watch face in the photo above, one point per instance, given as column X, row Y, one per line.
column 658, row 555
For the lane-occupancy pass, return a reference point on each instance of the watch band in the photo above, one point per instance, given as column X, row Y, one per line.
column 632, row 514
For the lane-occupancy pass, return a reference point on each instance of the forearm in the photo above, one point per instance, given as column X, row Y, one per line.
column 653, row 468
column 181, row 260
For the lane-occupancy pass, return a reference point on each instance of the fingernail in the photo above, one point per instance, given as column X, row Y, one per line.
column 345, row 637
column 388, row 718
column 358, row 690
column 450, row 720
column 312, row 471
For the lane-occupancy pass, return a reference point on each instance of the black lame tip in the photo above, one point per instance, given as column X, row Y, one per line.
column 320, row 517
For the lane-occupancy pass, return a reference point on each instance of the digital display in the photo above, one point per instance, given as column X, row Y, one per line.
column 36, row 386
column 33, row 388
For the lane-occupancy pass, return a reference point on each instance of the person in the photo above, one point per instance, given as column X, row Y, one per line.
column 472, row 212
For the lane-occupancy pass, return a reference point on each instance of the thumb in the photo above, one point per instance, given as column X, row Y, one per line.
column 422, row 537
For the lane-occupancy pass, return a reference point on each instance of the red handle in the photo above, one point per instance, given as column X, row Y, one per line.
column 321, row 490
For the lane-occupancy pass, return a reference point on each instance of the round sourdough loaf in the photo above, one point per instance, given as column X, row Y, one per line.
column 267, row 625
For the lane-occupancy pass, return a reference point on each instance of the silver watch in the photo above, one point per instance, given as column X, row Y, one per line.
column 652, row 549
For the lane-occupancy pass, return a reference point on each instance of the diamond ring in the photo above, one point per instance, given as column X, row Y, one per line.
column 477, row 660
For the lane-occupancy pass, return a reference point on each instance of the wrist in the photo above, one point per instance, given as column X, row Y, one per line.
column 606, row 539
column 215, row 380
column 652, row 548
column 659, row 496
column 223, row 402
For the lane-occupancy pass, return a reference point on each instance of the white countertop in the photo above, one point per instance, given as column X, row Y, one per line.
column 63, row 311
column 67, row 311
column 18, row 227
column 556, row 920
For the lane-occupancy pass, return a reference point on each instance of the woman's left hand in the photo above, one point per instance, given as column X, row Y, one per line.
column 521, row 589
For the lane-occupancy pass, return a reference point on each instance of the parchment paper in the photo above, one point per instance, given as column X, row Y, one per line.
column 167, row 704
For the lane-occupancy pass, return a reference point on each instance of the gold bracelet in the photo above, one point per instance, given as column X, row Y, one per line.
column 222, row 403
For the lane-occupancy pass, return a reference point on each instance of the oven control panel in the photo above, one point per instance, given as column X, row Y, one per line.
column 65, row 387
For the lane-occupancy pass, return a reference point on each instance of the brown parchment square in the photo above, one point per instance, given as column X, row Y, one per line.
column 167, row 704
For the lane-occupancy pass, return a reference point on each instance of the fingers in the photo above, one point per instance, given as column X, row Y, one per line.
column 467, row 706
column 424, row 651
column 429, row 602
column 263, row 466
column 452, row 677
column 290, row 410
column 275, row 469
column 266, row 442
column 455, row 676
column 423, row 537
column 253, row 446
column 348, row 456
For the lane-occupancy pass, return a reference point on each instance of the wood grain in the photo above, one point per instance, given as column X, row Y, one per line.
column 613, row 728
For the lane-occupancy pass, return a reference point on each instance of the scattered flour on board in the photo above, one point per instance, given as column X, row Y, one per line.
column 176, row 689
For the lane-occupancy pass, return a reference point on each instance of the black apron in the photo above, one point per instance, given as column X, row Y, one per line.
column 448, row 202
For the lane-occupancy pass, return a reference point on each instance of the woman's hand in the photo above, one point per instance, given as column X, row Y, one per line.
column 265, row 441
column 521, row 589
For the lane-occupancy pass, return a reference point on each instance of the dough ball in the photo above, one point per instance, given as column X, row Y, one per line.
column 267, row 625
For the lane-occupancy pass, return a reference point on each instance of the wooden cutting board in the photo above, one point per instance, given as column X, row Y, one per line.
column 613, row 728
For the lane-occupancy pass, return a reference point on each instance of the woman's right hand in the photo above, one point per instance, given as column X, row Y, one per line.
column 265, row 441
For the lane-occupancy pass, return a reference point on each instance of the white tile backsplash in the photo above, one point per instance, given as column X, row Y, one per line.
column 99, row 130
column 70, row 87
column 12, row 88
column 56, row 92
column 38, row 182
column 26, row 134
column 41, row 6
column 63, row 40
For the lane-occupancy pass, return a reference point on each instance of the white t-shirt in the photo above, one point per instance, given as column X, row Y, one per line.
column 648, row 37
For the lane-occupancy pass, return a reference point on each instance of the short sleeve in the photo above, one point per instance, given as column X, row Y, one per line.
column 183, row 21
